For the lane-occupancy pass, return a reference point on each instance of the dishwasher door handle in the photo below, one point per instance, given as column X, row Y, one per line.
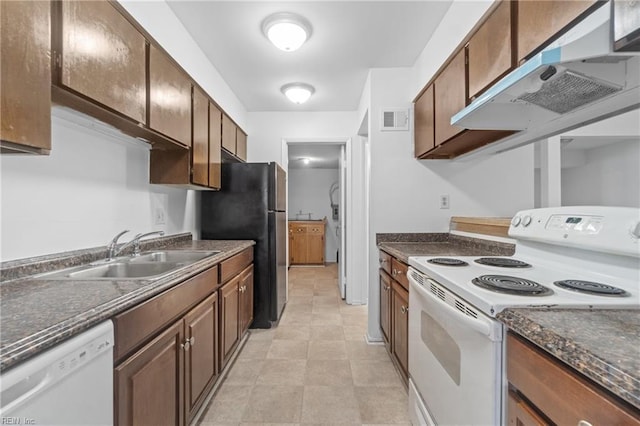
column 21, row 391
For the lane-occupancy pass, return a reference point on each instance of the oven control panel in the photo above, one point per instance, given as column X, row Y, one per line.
column 603, row 229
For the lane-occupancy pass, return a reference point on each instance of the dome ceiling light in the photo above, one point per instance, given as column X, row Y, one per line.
column 298, row 93
column 287, row 31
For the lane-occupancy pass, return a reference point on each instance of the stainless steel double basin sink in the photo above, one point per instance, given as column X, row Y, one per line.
column 147, row 265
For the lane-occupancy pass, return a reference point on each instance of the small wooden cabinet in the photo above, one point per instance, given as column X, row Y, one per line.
column 489, row 52
column 394, row 311
column 306, row 242
column 169, row 97
column 229, row 319
column 245, row 308
column 103, row 57
column 556, row 16
column 25, row 77
column 234, row 140
column 424, row 122
column 544, row 391
column 450, row 97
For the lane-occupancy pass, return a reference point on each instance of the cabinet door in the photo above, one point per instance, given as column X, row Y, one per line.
column 241, row 145
column 149, row 384
column 385, row 307
column 103, row 57
column 315, row 244
column 298, row 245
column 424, row 125
column 539, row 20
column 520, row 413
column 201, row 366
column 215, row 144
column 450, row 97
column 169, row 98
column 229, row 309
column 246, row 299
column 25, row 76
column 200, row 143
column 228, row 134
column 400, row 326
column 489, row 50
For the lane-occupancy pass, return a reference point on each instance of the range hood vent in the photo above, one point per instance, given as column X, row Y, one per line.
column 578, row 79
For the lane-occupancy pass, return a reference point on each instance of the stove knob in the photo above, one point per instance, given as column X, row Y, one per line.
column 526, row 221
column 635, row 231
column 515, row 221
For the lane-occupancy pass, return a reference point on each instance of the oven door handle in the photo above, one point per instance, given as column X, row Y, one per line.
column 480, row 324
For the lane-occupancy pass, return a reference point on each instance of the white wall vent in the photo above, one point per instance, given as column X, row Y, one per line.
column 394, row 119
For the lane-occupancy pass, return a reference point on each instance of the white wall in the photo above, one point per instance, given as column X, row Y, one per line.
column 609, row 177
column 89, row 188
column 309, row 192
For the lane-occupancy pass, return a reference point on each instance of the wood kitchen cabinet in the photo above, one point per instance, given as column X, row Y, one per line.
column 241, row 144
column 543, row 391
column 169, row 97
column 229, row 134
column 490, row 53
column 450, row 97
column 229, row 319
column 199, row 167
column 394, row 311
column 245, row 305
column 424, row 128
column 103, row 57
column 306, row 242
column 25, row 77
column 557, row 17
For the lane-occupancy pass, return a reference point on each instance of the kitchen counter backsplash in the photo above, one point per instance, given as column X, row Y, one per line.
column 402, row 246
column 16, row 269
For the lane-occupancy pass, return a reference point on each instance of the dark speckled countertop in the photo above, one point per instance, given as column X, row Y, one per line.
column 401, row 246
column 602, row 344
column 35, row 314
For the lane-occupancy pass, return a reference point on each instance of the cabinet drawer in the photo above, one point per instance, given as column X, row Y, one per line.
column 233, row 266
column 399, row 272
column 134, row 326
column 384, row 260
column 560, row 393
column 313, row 229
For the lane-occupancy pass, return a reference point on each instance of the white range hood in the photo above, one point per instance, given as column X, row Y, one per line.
column 575, row 81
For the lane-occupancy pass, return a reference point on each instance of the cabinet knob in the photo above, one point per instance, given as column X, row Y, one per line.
column 192, row 340
column 382, row 261
column 404, row 309
column 186, row 345
column 584, row 423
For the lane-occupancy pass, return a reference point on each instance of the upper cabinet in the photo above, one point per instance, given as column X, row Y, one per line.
column 241, row 144
column 490, row 52
column 539, row 20
column 103, row 57
column 450, row 97
column 25, row 77
column 200, row 143
column 234, row 140
column 215, row 146
column 169, row 97
column 424, row 126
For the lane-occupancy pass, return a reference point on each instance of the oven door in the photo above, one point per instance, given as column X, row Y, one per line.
column 455, row 356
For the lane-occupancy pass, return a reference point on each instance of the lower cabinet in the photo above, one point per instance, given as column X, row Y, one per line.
column 236, row 312
column 394, row 311
column 246, row 299
column 306, row 242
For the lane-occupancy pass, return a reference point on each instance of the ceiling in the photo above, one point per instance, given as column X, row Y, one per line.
column 348, row 38
column 325, row 156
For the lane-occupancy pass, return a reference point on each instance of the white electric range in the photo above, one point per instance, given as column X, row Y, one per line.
column 569, row 257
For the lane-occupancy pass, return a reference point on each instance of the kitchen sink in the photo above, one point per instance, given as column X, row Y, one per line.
column 180, row 256
column 124, row 270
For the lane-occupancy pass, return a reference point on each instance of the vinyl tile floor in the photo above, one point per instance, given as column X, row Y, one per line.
column 314, row 368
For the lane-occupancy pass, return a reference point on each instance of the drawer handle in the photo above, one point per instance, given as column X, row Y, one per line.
column 584, row 423
column 382, row 261
column 404, row 309
column 185, row 346
column 192, row 341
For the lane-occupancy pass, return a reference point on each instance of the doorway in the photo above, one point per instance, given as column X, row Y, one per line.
column 317, row 187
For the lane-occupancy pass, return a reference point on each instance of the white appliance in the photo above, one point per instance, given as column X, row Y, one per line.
column 70, row 384
column 456, row 345
column 576, row 80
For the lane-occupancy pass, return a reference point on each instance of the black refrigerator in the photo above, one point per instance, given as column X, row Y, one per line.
column 252, row 206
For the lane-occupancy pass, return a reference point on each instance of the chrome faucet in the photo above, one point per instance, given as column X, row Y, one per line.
column 114, row 251
column 111, row 248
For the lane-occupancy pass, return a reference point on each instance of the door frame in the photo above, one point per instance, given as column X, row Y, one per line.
column 356, row 248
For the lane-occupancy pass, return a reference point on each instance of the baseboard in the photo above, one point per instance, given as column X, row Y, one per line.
column 373, row 340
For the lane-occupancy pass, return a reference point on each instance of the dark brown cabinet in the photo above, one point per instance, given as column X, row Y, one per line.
column 241, row 144
column 229, row 134
column 201, row 360
column 215, row 146
column 424, row 122
column 245, row 309
column 400, row 312
column 229, row 319
column 148, row 385
column 200, row 142
column 103, row 57
column 490, row 53
column 544, row 391
column 169, row 97
column 539, row 21
column 385, row 308
column 450, row 97
column 25, row 77
column 394, row 311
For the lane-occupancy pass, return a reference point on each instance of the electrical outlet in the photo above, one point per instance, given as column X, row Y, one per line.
column 444, row 201
column 159, row 216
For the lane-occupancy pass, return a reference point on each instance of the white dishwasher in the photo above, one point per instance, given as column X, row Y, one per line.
column 69, row 384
